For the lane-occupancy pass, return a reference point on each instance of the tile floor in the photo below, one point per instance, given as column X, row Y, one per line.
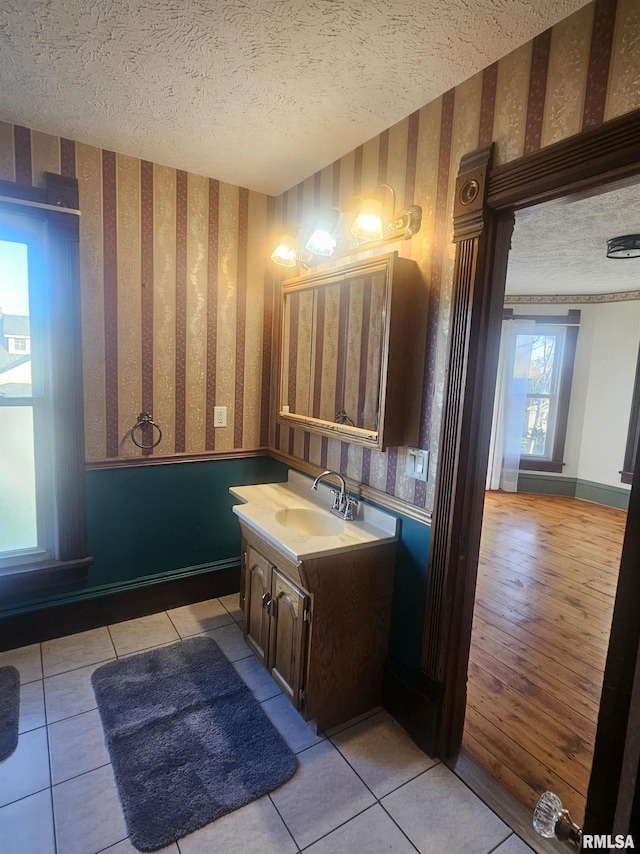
column 364, row 788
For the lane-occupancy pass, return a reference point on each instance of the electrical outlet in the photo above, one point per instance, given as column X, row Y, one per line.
column 219, row 416
column 417, row 463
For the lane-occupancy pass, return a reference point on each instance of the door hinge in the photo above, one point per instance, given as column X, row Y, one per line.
column 306, row 615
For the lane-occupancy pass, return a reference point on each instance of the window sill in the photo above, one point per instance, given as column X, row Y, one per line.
column 540, row 465
column 36, row 577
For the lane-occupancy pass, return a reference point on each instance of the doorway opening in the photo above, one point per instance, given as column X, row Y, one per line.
column 555, row 507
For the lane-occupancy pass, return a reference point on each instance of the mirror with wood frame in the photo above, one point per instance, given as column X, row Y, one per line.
column 344, row 350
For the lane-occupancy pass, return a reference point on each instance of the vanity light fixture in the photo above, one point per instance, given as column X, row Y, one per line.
column 285, row 253
column 371, row 227
column 342, row 235
column 328, row 238
column 288, row 253
column 625, row 246
column 368, row 224
column 322, row 241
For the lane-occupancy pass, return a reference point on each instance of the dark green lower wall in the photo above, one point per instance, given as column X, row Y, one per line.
column 150, row 524
column 409, row 594
column 152, row 520
column 600, row 493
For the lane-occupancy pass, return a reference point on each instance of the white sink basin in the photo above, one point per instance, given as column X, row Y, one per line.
column 297, row 519
column 314, row 523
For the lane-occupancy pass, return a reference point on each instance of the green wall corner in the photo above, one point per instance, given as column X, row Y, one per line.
column 587, row 490
column 149, row 524
column 146, row 524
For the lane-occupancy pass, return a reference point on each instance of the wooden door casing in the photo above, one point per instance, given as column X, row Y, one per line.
column 486, row 198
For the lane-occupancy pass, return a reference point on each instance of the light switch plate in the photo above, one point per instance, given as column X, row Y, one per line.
column 219, row 416
column 417, row 463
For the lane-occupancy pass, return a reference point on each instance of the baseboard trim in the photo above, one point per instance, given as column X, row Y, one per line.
column 45, row 575
column 118, row 603
column 67, row 596
column 602, row 493
column 574, row 487
column 416, row 712
column 541, row 484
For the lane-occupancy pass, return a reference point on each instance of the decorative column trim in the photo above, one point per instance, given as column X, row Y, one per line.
column 471, row 216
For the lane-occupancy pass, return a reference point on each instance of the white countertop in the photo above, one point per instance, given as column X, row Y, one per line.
column 261, row 502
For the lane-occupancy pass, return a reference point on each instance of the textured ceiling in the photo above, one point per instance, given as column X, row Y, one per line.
column 560, row 248
column 259, row 93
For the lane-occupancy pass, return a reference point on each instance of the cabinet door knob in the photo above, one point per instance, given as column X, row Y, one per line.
column 266, row 600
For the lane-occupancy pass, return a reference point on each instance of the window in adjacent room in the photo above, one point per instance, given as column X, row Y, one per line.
column 544, row 350
column 544, row 356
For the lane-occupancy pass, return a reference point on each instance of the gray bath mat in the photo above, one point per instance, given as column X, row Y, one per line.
column 187, row 739
column 9, row 710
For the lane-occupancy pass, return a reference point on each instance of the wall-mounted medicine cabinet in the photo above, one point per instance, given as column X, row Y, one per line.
column 347, row 352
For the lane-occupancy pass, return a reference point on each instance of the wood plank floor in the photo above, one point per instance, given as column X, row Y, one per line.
column 546, row 583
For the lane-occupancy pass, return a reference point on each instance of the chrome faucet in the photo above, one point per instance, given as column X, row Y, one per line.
column 343, row 505
column 338, row 497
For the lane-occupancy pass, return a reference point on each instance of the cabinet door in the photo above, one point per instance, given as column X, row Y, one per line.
column 256, row 603
column 288, row 636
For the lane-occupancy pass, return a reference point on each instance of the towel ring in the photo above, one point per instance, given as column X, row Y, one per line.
column 145, row 425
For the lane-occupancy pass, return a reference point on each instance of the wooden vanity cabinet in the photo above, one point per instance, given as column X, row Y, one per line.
column 257, row 592
column 319, row 626
column 274, row 620
column 288, row 637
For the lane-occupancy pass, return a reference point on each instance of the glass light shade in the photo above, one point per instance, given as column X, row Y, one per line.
column 342, row 236
column 321, row 241
column 285, row 253
column 368, row 223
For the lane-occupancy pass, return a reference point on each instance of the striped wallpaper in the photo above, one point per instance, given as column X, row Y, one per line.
column 578, row 74
column 179, row 305
column 176, row 306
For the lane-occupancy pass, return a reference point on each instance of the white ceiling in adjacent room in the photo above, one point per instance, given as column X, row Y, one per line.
column 560, row 247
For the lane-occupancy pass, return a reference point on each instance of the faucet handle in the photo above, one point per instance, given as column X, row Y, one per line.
column 336, row 505
column 350, row 508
